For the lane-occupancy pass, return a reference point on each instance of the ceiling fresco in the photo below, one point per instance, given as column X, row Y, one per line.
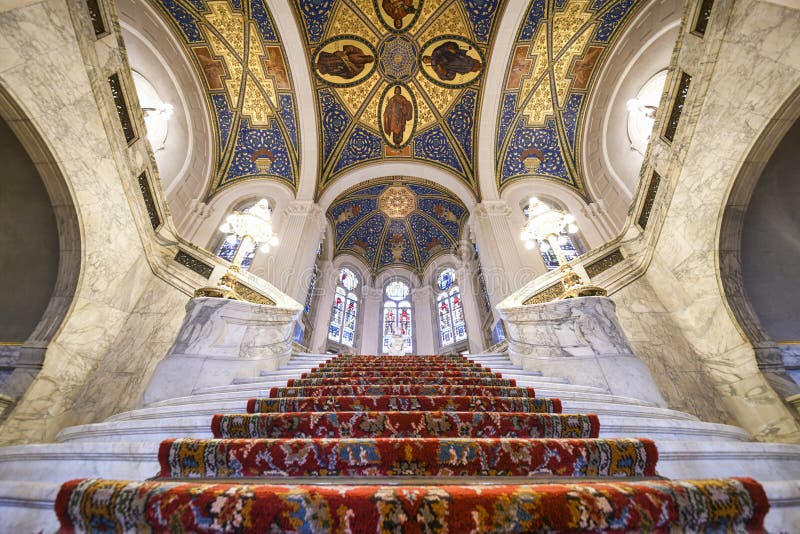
column 551, row 72
column 398, row 79
column 391, row 222
column 241, row 65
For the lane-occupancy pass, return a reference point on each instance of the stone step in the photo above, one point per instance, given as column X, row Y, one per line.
column 190, row 408
column 363, row 458
column 562, row 391
column 28, row 506
column 157, row 429
column 58, row 462
column 528, row 378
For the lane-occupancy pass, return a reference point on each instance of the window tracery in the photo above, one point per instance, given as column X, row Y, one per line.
column 397, row 316
column 344, row 315
column 450, row 309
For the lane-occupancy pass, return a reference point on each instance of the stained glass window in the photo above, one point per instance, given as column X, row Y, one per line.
column 228, row 249
column 445, row 279
column 397, row 318
column 344, row 314
column 312, row 285
column 450, row 309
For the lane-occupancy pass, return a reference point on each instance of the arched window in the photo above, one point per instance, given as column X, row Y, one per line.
column 345, row 309
column 642, row 111
column 156, row 112
column 227, row 248
column 397, row 316
column 568, row 243
column 450, row 309
column 312, row 285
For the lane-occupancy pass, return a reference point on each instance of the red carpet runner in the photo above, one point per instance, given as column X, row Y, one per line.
column 360, row 419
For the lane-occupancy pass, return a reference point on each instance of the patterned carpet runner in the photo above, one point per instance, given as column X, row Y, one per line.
column 359, row 419
column 404, row 403
column 411, row 424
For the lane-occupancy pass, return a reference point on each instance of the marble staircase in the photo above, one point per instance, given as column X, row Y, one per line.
column 125, row 445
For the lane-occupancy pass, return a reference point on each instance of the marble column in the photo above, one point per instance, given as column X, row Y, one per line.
column 371, row 323
column 504, row 269
column 425, row 328
column 220, row 340
column 579, row 339
column 326, row 284
column 193, row 219
column 465, row 278
column 598, row 215
column 290, row 265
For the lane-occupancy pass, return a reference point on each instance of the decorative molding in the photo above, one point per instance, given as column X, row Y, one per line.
column 547, row 294
column 604, row 263
column 198, row 266
column 649, row 200
column 149, row 201
column 251, row 295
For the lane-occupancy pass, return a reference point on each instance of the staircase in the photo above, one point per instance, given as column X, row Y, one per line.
column 371, row 438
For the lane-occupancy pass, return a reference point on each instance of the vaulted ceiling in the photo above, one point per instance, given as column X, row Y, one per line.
column 396, row 221
column 550, row 74
column 392, row 102
column 397, row 81
column 242, row 67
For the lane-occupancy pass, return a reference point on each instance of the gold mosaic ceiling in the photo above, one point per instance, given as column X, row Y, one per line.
column 398, row 80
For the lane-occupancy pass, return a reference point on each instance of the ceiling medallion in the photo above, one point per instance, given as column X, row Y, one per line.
column 397, row 201
column 398, row 57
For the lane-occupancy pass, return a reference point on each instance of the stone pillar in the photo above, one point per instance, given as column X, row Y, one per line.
column 579, row 339
column 289, row 266
column 425, row 328
column 194, row 219
column 371, row 323
column 465, row 278
column 598, row 215
column 220, row 340
column 322, row 317
column 502, row 265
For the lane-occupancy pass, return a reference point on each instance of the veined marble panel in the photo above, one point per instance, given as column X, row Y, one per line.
column 579, row 339
column 221, row 340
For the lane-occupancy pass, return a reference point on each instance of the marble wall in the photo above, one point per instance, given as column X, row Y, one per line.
column 130, row 296
column 669, row 287
column 658, row 341
column 743, row 70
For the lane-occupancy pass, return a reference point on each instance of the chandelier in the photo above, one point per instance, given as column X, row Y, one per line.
column 546, row 227
column 251, row 227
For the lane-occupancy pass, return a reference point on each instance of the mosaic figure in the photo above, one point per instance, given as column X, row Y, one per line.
column 397, row 10
column 448, row 59
column 346, row 63
column 396, row 114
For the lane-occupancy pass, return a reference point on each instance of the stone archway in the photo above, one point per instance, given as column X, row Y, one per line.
column 48, row 289
column 730, row 245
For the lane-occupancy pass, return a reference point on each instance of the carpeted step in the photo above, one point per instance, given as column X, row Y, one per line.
column 404, row 403
column 362, row 457
column 401, row 374
column 369, row 391
column 404, row 424
column 727, row 505
column 398, row 367
column 401, row 380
